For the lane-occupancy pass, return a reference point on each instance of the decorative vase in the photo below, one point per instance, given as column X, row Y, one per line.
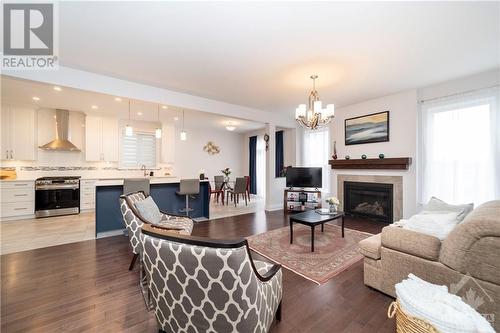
column 363, row 156
column 381, row 156
column 333, row 208
column 226, row 179
column 202, row 176
column 347, row 157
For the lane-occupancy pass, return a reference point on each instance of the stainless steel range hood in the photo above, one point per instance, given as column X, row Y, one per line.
column 61, row 141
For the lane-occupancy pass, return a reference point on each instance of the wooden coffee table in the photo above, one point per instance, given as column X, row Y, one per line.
column 312, row 219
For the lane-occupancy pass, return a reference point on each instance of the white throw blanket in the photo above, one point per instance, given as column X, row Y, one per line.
column 445, row 311
column 435, row 224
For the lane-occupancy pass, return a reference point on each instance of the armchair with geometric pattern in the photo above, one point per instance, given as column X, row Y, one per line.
column 202, row 285
column 133, row 221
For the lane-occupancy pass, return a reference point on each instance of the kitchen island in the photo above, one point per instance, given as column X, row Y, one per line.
column 108, row 217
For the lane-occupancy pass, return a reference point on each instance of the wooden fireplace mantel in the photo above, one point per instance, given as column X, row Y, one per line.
column 397, row 163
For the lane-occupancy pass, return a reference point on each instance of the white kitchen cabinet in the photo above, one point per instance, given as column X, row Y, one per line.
column 101, row 139
column 168, row 144
column 18, row 133
column 110, row 139
column 18, row 198
column 87, row 194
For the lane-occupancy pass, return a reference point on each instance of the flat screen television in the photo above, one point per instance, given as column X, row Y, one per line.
column 304, row 177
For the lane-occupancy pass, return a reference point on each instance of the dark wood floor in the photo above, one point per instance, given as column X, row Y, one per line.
column 86, row 287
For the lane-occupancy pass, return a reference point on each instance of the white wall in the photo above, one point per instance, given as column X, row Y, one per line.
column 403, row 140
column 190, row 157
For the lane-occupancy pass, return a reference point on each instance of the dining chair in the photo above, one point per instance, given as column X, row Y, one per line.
column 247, row 192
column 218, row 188
column 216, row 192
column 239, row 188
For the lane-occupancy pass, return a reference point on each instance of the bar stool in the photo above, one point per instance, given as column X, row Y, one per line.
column 131, row 185
column 188, row 187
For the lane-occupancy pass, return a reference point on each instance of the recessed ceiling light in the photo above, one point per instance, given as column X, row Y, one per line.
column 36, row 98
column 94, row 107
column 164, row 107
column 139, row 113
column 176, row 118
column 118, row 99
column 57, row 88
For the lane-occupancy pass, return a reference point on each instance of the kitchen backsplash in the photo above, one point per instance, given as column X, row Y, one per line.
column 89, row 172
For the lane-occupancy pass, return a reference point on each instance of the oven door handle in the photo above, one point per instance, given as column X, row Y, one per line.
column 56, row 187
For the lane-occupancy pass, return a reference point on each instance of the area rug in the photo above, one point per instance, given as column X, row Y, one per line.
column 332, row 253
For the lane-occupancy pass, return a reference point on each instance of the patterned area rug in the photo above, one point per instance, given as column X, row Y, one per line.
column 332, row 253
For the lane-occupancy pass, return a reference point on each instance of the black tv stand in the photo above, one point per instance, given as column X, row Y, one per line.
column 298, row 204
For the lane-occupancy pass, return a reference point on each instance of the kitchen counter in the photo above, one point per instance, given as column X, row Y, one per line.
column 163, row 190
column 152, row 180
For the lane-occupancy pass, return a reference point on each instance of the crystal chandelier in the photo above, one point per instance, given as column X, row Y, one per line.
column 314, row 116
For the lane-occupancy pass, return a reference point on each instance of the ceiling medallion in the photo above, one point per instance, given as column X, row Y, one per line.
column 314, row 116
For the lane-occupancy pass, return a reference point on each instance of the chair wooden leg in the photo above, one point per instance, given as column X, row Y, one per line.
column 278, row 313
column 132, row 263
column 246, row 201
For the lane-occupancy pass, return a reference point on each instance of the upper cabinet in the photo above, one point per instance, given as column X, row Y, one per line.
column 101, row 139
column 18, row 140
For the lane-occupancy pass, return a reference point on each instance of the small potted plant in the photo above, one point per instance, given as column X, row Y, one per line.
column 334, row 203
column 202, row 174
column 226, row 172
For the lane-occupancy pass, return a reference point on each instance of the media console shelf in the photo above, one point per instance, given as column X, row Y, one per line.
column 299, row 200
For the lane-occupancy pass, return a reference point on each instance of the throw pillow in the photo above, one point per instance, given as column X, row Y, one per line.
column 438, row 205
column 149, row 210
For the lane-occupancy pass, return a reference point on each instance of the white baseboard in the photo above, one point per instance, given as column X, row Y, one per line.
column 274, row 207
column 110, row 233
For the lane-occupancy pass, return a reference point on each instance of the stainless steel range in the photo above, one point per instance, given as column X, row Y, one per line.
column 57, row 196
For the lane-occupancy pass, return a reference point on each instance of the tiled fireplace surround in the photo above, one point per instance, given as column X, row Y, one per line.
column 397, row 182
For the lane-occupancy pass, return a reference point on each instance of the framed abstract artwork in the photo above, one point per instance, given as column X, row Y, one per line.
column 369, row 128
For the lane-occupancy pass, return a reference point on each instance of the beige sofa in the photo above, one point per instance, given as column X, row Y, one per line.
column 467, row 261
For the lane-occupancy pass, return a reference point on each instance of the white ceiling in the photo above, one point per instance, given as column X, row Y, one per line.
column 22, row 92
column 260, row 54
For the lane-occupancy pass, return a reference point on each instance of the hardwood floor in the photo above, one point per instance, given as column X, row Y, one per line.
column 86, row 287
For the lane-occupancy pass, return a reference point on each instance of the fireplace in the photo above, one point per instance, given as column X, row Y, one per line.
column 371, row 200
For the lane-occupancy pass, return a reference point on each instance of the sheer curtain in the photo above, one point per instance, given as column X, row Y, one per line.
column 261, row 166
column 460, row 148
column 316, row 152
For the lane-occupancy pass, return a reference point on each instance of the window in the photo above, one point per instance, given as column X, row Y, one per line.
column 138, row 149
column 460, row 148
column 316, row 152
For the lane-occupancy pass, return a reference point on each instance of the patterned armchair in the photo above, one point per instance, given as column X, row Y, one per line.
column 134, row 221
column 202, row 285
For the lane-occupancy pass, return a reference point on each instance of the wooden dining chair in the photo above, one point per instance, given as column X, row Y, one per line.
column 217, row 191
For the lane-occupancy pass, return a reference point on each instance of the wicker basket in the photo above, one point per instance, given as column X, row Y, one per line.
column 406, row 323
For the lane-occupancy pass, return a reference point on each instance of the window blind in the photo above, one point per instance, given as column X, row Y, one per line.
column 138, row 149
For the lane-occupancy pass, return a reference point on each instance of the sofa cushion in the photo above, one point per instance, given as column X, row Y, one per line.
column 411, row 242
column 474, row 245
column 370, row 247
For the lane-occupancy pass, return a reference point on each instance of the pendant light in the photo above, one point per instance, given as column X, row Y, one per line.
column 128, row 129
column 158, row 129
column 183, row 132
